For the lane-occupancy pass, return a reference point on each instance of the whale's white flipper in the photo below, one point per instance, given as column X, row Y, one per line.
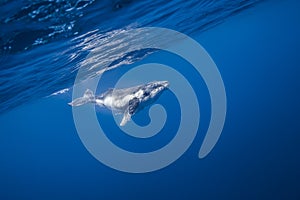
column 131, row 109
column 126, row 118
column 88, row 97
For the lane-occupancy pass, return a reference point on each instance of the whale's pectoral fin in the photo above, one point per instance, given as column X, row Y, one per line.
column 125, row 118
column 132, row 108
column 133, row 105
column 88, row 97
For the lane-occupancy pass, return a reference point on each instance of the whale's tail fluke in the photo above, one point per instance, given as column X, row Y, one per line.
column 88, row 97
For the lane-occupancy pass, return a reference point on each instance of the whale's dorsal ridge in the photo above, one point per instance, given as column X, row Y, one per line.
column 88, row 93
column 88, row 97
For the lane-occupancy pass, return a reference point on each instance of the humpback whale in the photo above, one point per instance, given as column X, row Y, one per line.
column 126, row 101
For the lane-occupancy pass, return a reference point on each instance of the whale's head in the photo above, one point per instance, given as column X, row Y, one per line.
column 154, row 88
column 143, row 95
column 161, row 84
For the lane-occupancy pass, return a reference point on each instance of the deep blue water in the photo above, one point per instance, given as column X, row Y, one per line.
column 255, row 45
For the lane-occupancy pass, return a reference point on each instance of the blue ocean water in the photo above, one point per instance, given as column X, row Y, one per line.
column 255, row 45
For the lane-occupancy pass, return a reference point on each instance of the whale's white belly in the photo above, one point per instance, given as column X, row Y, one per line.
column 119, row 104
